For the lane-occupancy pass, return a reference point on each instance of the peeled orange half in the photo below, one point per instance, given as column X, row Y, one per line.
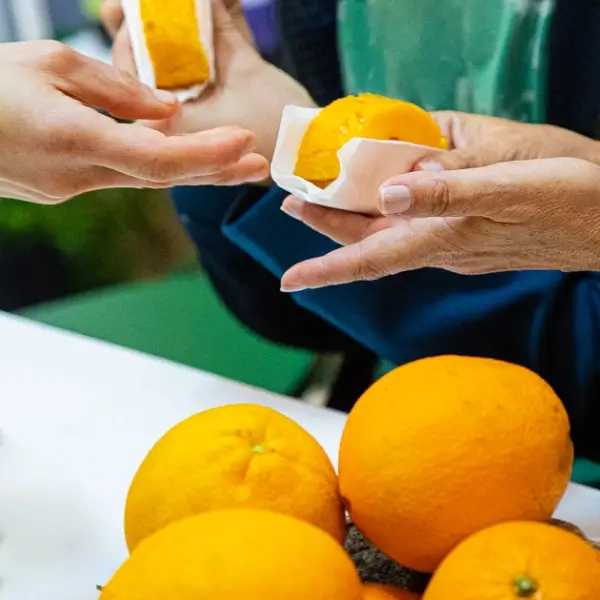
column 366, row 116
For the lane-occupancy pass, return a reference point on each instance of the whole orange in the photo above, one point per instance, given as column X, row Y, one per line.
column 444, row 447
column 365, row 116
column 237, row 554
column 375, row 591
column 519, row 560
column 237, row 456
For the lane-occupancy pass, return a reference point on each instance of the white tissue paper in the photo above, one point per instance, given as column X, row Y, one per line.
column 145, row 68
column 364, row 165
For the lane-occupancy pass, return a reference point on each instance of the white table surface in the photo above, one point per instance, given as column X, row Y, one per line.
column 77, row 416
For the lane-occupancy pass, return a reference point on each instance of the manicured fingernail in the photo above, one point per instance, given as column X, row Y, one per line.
column 428, row 165
column 292, row 207
column 164, row 96
column 395, row 199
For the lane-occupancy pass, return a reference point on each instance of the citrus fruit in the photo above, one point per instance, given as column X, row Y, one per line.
column 374, row 591
column 235, row 554
column 444, row 447
column 237, row 456
column 365, row 116
column 172, row 36
column 518, row 560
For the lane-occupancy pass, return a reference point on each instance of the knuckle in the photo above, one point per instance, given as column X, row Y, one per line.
column 437, row 199
column 56, row 57
column 367, row 268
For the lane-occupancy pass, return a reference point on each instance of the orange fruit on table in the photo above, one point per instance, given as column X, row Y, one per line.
column 375, row 591
column 365, row 116
column 237, row 456
column 444, row 447
column 519, row 560
column 234, row 555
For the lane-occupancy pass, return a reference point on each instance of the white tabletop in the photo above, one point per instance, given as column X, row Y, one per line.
column 77, row 417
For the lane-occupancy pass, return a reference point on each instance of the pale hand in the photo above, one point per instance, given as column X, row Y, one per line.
column 55, row 145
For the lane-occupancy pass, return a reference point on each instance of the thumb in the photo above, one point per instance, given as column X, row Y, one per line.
column 102, row 86
column 111, row 15
column 494, row 192
column 226, row 27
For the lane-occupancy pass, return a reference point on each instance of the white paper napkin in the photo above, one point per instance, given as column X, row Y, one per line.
column 364, row 165
column 135, row 26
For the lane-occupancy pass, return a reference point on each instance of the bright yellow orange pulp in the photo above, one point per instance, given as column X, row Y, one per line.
column 173, row 40
column 366, row 116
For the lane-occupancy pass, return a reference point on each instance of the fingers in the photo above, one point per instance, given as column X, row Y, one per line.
column 384, row 253
column 507, row 191
column 73, row 182
column 111, row 15
column 341, row 226
column 251, row 168
column 102, row 86
column 123, row 58
column 149, row 155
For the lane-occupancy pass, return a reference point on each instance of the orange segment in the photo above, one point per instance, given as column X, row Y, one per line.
column 366, row 116
column 173, row 39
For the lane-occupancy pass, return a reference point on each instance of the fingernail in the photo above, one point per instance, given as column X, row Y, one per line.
column 288, row 289
column 292, row 207
column 164, row 97
column 430, row 165
column 395, row 199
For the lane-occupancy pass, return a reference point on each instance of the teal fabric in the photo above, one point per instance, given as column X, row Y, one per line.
column 478, row 56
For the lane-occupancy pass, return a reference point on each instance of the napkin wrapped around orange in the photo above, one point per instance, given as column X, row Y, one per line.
column 172, row 43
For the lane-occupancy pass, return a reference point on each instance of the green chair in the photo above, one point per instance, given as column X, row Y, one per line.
column 180, row 318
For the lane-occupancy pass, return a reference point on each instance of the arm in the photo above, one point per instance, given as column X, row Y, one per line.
column 548, row 321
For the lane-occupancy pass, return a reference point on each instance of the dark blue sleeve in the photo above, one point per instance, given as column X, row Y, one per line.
column 247, row 288
column 548, row 321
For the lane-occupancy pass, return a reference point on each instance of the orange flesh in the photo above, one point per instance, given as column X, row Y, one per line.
column 173, row 41
column 366, row 116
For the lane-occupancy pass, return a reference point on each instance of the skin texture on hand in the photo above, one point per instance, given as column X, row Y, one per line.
column 55, row 145
column 539, row 214
column 249, row 92
column 518, row 208
column 479, row 141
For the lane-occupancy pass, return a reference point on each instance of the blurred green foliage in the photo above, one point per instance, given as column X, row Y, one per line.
column 98, row 233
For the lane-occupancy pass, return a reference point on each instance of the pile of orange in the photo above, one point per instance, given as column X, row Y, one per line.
column 452, row 466
column 366, row 116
